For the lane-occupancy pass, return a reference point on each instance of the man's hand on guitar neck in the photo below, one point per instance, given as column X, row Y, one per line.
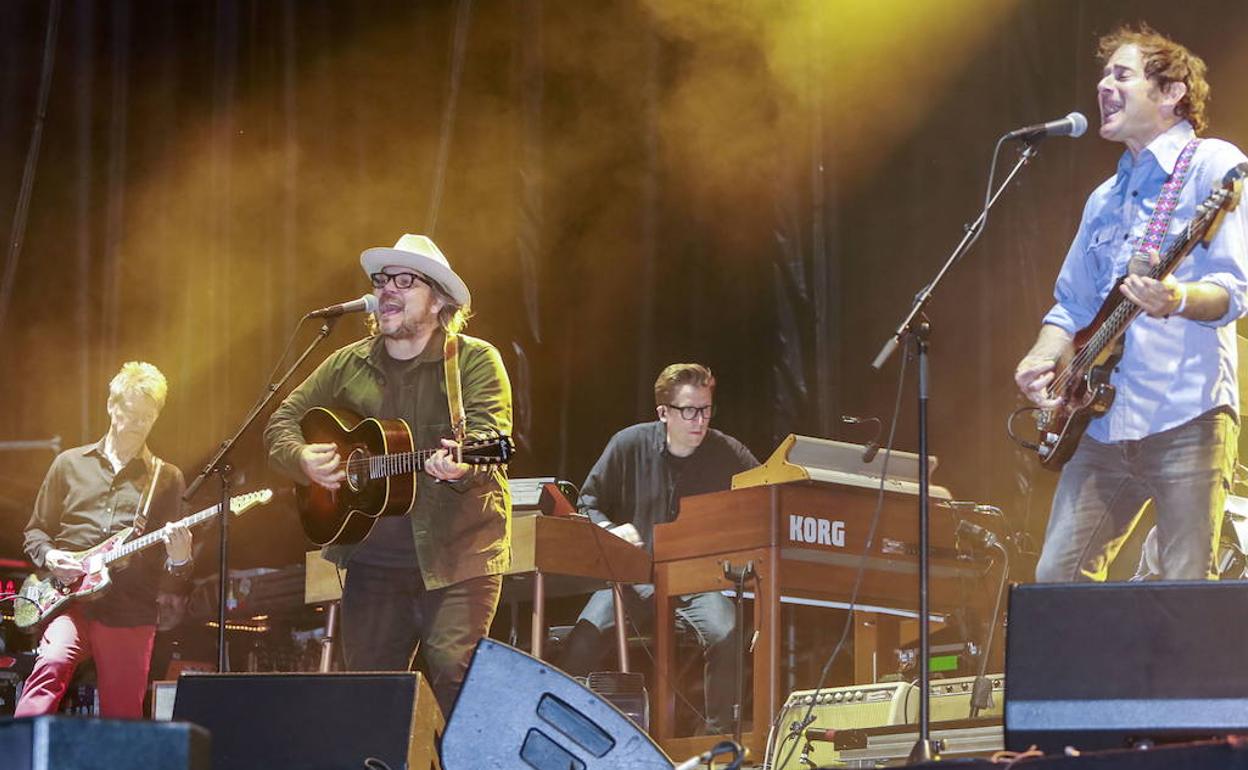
column 322, row 465
column 444, row 465
column 1157, row 298
column 177, row 538
column 63, row 566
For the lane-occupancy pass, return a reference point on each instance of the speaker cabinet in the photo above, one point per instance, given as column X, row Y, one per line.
column 514, row 711
column 1104, row 666
column 313, row 721
column 80, row 743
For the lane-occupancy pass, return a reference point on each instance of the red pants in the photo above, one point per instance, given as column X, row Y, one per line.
column 122, row 657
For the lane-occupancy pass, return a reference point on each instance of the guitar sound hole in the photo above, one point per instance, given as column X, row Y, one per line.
column 357, row 470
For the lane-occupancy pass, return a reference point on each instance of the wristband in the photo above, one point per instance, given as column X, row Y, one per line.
column 1182, row 300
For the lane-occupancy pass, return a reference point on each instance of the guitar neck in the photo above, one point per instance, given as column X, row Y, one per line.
column 152, row 538
column 393, row 464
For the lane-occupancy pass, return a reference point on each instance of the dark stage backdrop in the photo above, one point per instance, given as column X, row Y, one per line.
column 760, row 186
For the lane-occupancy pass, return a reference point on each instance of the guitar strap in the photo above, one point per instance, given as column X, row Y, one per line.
column 140, row 518
column 1167, row 202
column 454, row 391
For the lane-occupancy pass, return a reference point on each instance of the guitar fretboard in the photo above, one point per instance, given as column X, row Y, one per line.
column 237, row 504
column 380, row 466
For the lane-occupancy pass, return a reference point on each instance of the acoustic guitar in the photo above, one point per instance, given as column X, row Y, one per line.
column 381, row 464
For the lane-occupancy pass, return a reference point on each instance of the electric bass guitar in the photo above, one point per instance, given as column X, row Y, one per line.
column 381, row 464
column 1083, row 385
column 42, row 598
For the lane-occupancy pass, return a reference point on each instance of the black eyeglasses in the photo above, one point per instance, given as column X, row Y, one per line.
column 692, row 412
column 401, row 280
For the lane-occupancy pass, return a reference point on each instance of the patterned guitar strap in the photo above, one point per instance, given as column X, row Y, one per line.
column 454, row 392
column 140, row 518
column 1167, row 202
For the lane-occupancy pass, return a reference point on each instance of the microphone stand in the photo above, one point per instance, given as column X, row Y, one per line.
column 915, row 328
column 220, row 466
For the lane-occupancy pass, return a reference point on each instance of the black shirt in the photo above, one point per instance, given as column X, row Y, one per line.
column 83, row 502
column 638, row 481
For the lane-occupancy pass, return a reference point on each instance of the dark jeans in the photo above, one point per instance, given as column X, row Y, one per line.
column 1186, row 471
column 387, row 614
column 709, row 616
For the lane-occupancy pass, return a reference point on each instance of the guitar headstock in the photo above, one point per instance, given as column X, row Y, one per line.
column 240, row 503
column 490, row 450
column 1233, row 184
column 1225, row 197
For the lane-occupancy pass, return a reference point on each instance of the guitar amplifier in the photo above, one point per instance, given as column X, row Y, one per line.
column 867, row 706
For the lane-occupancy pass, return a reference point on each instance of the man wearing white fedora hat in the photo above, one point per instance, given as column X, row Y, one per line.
column 430, row 579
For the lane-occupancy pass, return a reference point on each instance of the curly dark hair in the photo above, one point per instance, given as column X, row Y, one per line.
column 1165, row 62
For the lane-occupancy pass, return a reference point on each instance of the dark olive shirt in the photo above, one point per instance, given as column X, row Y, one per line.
column 638, row 481
column 461, row 529
column 83, row 502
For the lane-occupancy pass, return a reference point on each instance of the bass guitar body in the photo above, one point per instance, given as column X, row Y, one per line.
column 1088, row 395
column 345, row 515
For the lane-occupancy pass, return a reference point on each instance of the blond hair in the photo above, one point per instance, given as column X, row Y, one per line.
column 137, row 377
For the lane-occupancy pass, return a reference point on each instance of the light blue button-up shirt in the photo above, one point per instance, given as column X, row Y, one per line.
column 1172, row 369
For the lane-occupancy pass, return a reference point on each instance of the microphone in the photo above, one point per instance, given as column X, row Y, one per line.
column 873, row 446
column 1073, row 125
column 365, row 304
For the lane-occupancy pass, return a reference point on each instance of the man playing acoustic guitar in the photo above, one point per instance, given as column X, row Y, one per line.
column 432, row 577
column 90, row 493
column 1170, row 433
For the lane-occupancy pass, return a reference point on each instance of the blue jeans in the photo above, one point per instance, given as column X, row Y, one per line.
column 711, row 618
column 387, row 613
column 1186, row 471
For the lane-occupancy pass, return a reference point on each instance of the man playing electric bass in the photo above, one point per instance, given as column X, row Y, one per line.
column 432, row 577
column 90, row 493
column 1170, row 432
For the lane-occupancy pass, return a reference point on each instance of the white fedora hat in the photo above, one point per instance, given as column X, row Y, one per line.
column 421, row 254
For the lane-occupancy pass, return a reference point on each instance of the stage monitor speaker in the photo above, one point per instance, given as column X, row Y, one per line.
column 1105, row 666
column 515, row 711
column 313, row 721
column 80, row 743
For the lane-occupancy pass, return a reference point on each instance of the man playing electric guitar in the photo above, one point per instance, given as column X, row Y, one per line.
column 431, row 577
column 90, row 493
column 1170, row 433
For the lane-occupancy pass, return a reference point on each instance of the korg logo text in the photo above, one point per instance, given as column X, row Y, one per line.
column 808, row 529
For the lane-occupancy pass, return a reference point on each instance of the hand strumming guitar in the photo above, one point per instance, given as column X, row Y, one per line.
column 63, row 566
column 322, row 465
column 1037, row 370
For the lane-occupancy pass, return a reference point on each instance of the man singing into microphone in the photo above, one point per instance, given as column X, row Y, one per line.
column 1170, row 434
column 431, row 578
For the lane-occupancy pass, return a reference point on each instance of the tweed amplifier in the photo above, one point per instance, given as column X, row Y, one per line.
column 862, row 707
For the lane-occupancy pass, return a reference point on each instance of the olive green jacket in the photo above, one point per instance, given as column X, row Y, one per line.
column 461, row 529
